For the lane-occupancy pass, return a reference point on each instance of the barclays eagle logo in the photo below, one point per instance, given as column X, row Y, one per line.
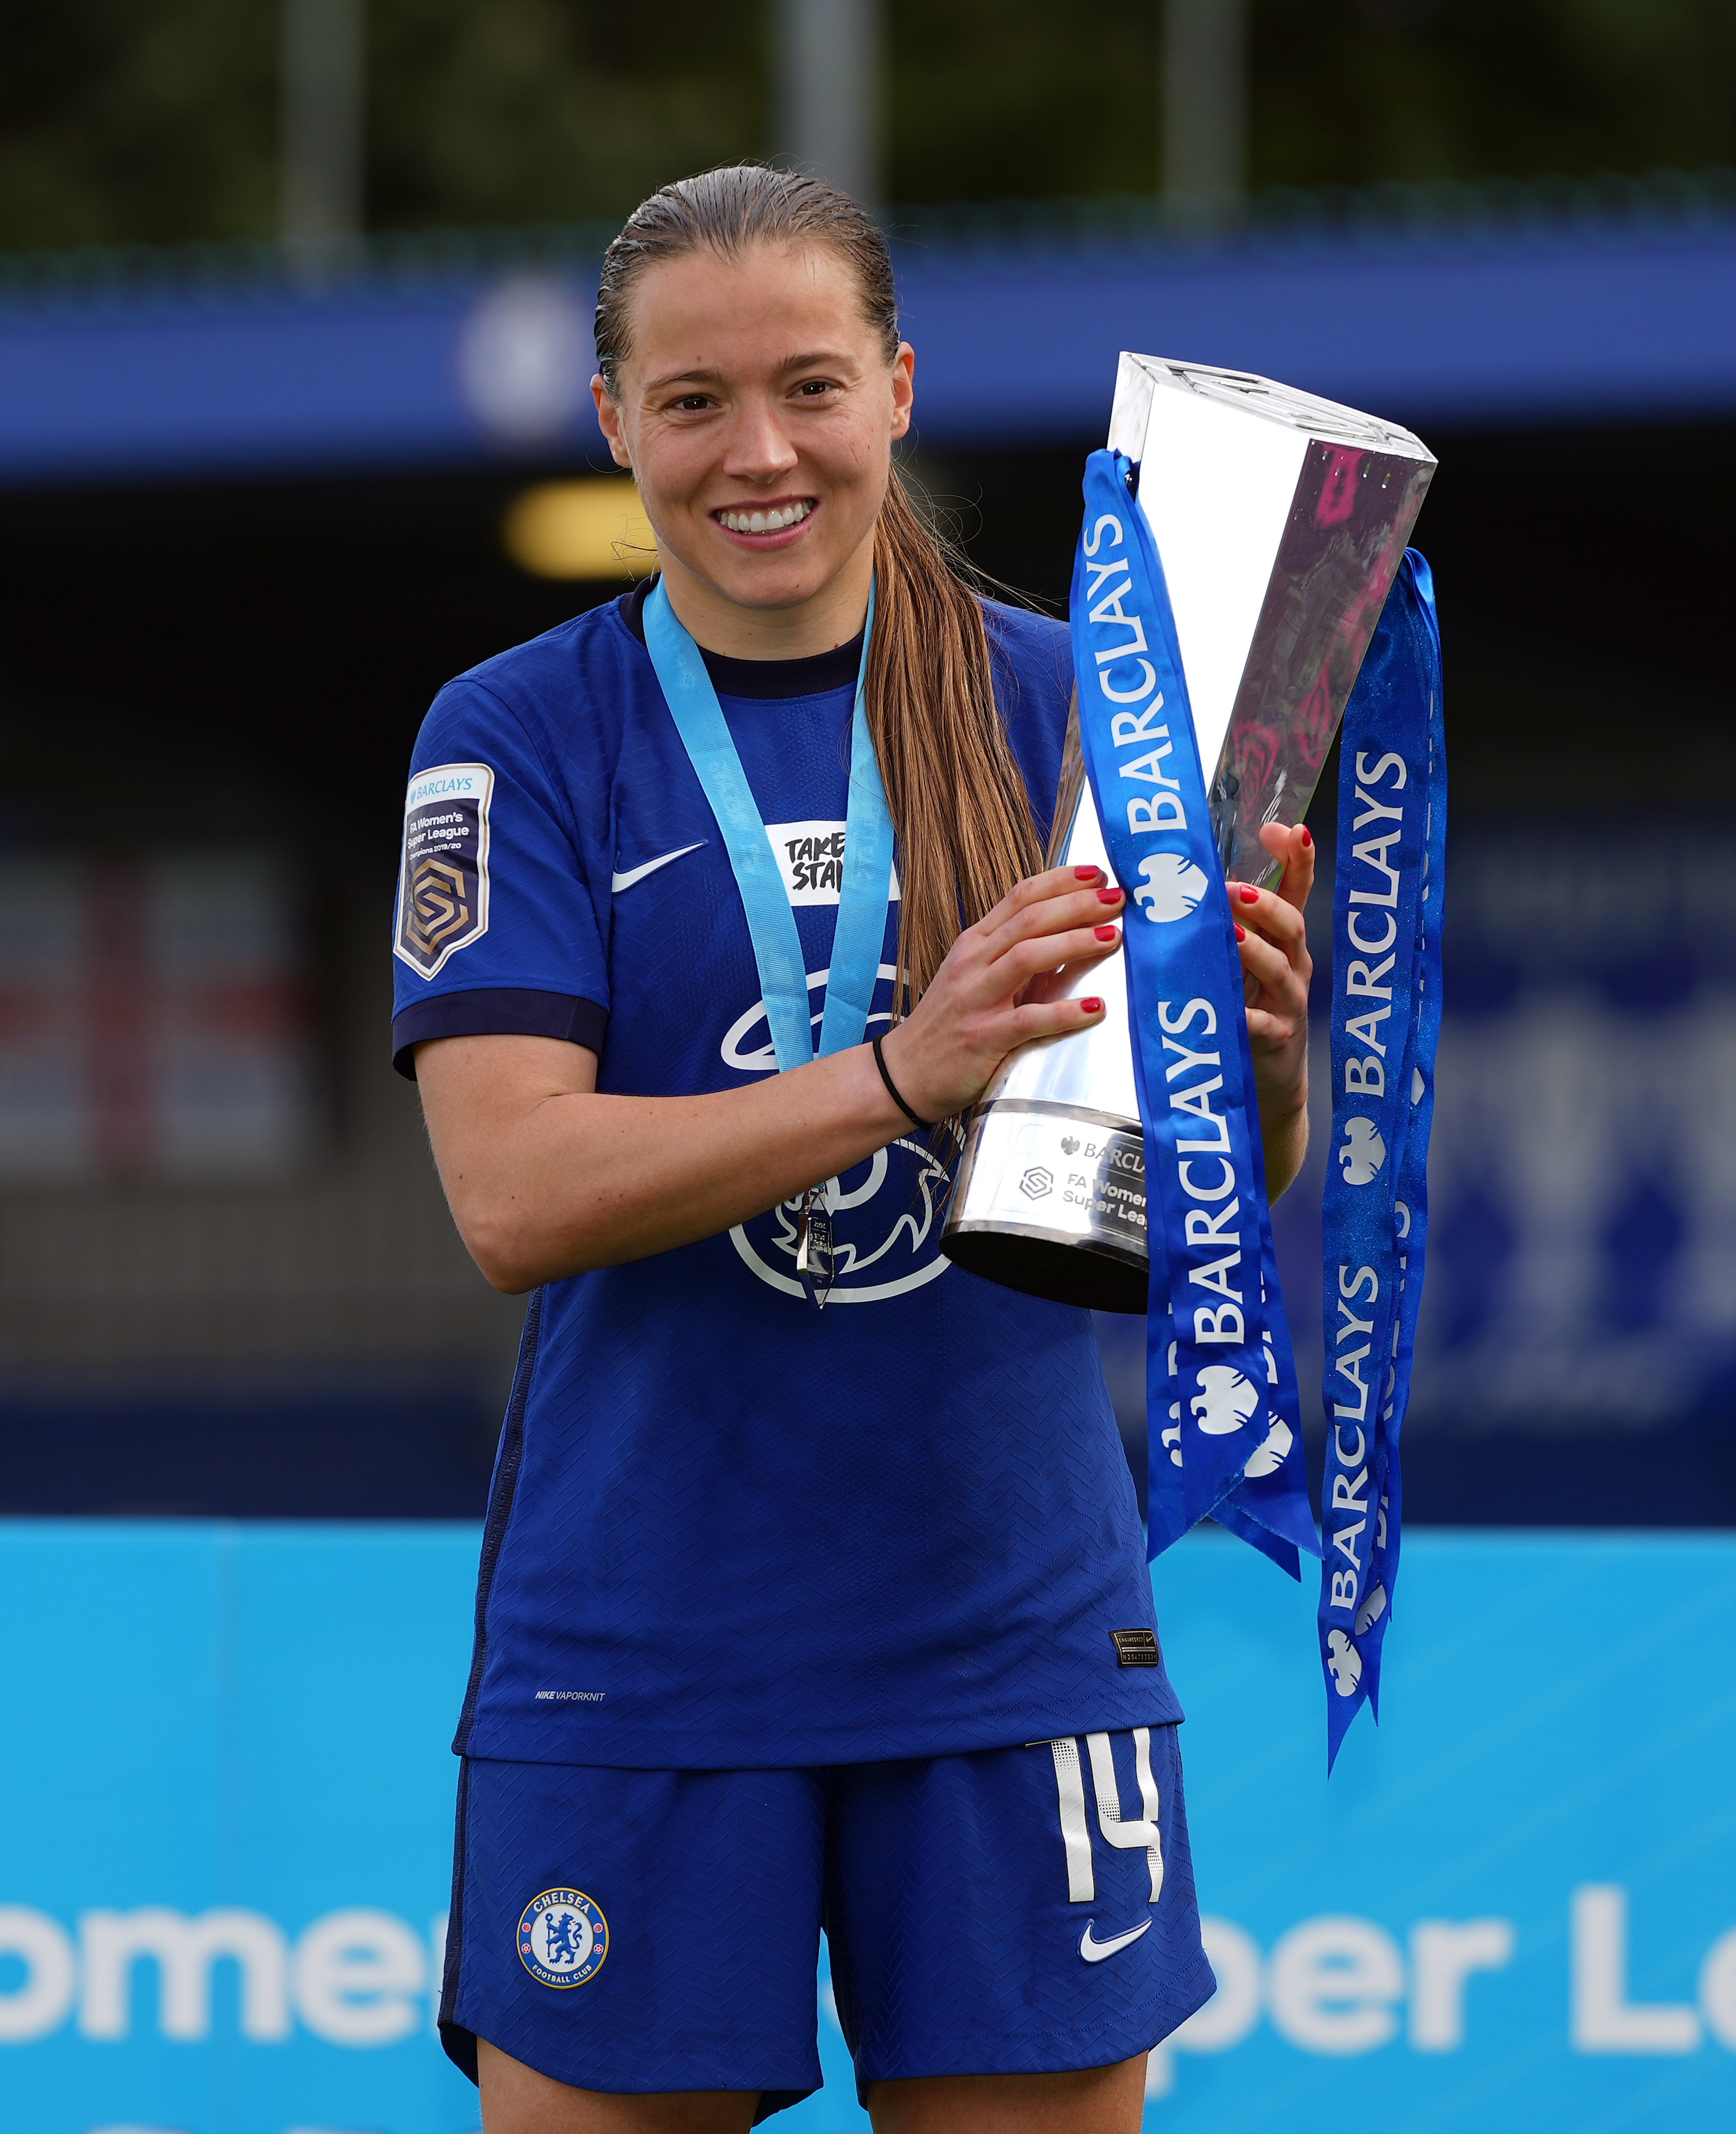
column 1268, row 1458
column 1363, row 1152
column 1225, row 1401
column 1172, row 886
column 1344, row 1662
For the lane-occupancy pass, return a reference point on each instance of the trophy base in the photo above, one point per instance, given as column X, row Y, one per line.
column 1056, row 1196
column 1065, row 1273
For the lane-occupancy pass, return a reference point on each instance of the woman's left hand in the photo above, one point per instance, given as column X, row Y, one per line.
column 1273, row 942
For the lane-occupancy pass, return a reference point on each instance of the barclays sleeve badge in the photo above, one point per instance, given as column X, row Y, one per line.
column 443, row 880
column 562, row 1938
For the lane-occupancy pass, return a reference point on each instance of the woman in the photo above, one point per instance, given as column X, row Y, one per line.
column 785, row 1615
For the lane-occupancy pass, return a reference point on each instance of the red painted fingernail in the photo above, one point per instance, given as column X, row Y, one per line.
column 1105, row 933
column 1248, row 895
column 1091, row 1007
column 1109, row 896
column 1241, row 931
column 1087, row 874
column 1307, row 836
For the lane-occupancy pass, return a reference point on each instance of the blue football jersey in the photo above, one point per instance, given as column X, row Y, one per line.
column 727, row 1530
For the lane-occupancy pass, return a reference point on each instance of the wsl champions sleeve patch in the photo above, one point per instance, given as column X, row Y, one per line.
column 443, row 882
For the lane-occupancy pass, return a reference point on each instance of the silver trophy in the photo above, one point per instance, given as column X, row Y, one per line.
column 1280, row 521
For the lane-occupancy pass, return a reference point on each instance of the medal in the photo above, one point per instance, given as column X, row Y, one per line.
column 813, row 1247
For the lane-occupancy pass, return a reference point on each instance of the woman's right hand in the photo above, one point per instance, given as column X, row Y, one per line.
column 943, row 1053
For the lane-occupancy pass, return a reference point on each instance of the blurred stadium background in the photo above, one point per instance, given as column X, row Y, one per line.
column 294, row 345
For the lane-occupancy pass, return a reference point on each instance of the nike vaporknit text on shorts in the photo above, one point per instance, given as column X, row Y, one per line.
column 1010, row 1911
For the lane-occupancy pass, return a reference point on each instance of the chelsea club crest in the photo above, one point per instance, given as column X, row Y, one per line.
column 562, row 1938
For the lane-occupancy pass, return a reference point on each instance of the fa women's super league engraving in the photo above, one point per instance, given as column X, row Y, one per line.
column 1280, row 521
column 1241, row 586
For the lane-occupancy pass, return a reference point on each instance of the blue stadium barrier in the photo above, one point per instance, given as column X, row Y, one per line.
column 1438, row 306
column 226, row 1794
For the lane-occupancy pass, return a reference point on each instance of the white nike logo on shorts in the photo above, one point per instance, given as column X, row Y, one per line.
column 1094, row 1951
column 619, row 881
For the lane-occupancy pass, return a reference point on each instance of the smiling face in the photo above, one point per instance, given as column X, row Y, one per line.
column 757, row 410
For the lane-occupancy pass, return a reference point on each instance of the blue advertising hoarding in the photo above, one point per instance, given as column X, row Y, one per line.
column 224, row 1828
column 1540, row 304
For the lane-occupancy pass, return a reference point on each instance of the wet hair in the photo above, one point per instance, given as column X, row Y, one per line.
column 957, row 796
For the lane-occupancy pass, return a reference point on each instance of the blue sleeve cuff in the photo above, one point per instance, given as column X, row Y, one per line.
column 502, row 1013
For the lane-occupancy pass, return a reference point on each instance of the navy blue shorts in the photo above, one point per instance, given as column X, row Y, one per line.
column 1013, row 1911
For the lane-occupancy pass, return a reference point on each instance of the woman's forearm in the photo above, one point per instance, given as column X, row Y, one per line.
column 1284, row 1133
column 547, row 1178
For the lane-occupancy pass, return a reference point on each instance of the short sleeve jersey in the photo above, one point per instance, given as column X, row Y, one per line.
column 728, row 1530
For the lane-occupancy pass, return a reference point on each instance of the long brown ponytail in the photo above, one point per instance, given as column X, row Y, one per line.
column 957, row 799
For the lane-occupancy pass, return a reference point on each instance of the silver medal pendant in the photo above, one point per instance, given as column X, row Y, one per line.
column 813, row 1247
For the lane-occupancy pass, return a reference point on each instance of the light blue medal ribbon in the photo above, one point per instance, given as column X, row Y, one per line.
column 1226, row 1436
column 864, row 899
column 1385, row 1019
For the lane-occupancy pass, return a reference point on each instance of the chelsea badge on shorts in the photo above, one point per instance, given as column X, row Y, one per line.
column 562, row 1938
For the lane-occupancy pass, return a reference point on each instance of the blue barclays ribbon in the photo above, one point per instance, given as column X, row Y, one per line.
column 1386, row 1022
column 859, row 938
column 1218, row 1358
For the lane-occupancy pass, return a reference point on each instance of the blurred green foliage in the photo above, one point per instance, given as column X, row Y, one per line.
column 153, row 120
column 124, row 119
column 505, row 111
column 1353, row 90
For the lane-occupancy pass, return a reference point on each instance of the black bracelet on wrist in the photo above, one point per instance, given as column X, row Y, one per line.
column 915, row 1118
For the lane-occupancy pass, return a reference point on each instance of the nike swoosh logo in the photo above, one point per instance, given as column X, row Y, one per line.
column 1094, row 1951
column 618, row 882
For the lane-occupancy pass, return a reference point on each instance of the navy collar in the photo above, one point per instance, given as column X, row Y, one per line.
column 765, row 678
